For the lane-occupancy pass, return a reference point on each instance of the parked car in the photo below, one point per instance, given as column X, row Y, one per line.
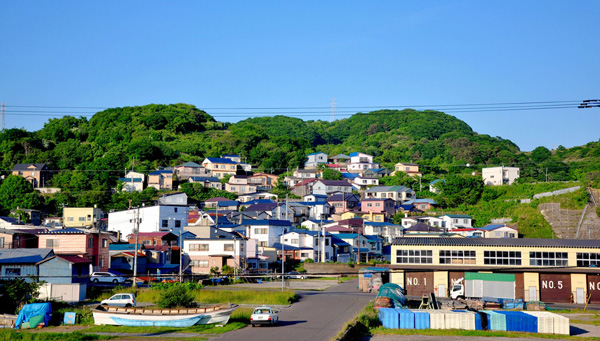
column 120, row 300
column 106, row 277
column 294, row 275
column 264, row 315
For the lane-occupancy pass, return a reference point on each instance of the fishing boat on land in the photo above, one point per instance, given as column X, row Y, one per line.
column 142, row 317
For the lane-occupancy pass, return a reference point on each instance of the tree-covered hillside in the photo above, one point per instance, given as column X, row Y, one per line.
column 88, row 156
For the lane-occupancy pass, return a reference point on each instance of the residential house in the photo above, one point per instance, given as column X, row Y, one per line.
column 233, row 157
column 364, row 182
column 305, row 173
column 335, row 167
column 190, row 169
column 125, row 262
column 133, row 182
column 245, row 198
column 291, row 181
column 496, row 176
column 266, row 232
column 239, row 184
column 315, row 224
column 22, row 263
column 162, row 259
column 469, row 232
column 18, row 239
column 399, row 194
column 308, row 245
column 499, row 231
column 160, row 218
column 356, row 225
column 89, row 244
column 315, row 159
column 329, row 187
column 37, row 174
column 173, row 199
column 377, row 172
column 342, row 250
column 344, row 202
column 34, row 217
column 434, row 186
column 220, row 167
column 387, row 231
column 315, row 198
column 379, row 205
column 430, row 221
column 360, row 162
column 206, row 254
column 304, row 187
column 161, row 179
column 221, row 203
column 422, row 229
column 10, row 223
column 411, row 169
column 155, row 239
column 423, row 204
column 264, row 182
column 340, row 159
column 64, row 269
column 86, row 217
column 455, row 221
column 361, row 250
column 206, row 181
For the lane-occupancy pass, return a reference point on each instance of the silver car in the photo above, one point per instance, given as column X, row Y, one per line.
column 121, row 300
column 106, row 277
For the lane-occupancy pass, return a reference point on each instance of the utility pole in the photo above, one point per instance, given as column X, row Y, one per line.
column 2, row 115
column 135, row 255
column 332, row 109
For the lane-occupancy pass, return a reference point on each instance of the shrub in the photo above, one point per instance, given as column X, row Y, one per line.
column 176, row 296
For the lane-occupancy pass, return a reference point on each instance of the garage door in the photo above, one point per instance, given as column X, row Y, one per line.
column 594, row 288
column 555, row 288
column 418, row 283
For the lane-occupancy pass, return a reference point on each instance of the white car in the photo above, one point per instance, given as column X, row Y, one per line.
column 264, row 315
column 106, row 277
column 120, row 300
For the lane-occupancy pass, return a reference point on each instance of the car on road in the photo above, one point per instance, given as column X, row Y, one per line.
column 106, row 277
column 126, row 300
column 264, row 315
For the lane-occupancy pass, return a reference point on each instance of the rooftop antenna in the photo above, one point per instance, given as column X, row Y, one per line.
column 332, row 109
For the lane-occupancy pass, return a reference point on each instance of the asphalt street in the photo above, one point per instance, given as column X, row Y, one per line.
column 318, row 315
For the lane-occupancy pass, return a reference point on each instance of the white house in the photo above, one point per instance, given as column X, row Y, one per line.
column 360, row 162
column 204, row 254
column 429, row 221
column 387, row 231
column 266, row 232
column 315, row 159
column 133, row 182
column 175, row 199
column 398, row 193
column 327, row 187
column 363, row 182
column 496, row 176
column 499, row 231
column 455, row 221
column 161, row 218
column 308, row 245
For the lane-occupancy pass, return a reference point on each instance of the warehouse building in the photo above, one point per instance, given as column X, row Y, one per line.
column 549, row 270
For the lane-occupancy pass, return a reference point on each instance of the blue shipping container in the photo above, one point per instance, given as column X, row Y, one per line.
column 406, row 319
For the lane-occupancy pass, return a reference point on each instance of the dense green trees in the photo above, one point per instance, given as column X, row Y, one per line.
column 458, row 190
column 15, row 192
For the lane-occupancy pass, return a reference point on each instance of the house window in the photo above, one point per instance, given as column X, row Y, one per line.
column 90, row 243
column 177, row 223
column 261, row 231
column 104, row 243
column 263, row 243
column 70, row 218
column 51, row 243
column 175, row 209
column 304, row 254
column 199, row 247
column 101, row 261
column 228, row 247
column 2, row 242
column 165, row 223
column 241, row 247
column 502, row 257
column 12, row 272
column 200, row 263
column 81, row 218
column 548, row 258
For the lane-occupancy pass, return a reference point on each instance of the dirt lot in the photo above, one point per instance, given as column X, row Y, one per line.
column 294, row 284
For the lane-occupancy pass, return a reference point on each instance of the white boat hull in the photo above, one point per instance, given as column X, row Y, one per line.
column 212, row 315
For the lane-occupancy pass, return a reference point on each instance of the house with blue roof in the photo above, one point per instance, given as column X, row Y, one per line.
column 315, row 159
column 22, row 263
column 308, row 245
column 315, row 224
column 342, row 249
column 360, row 162
column 161, row 179
column 361, row 247
column 499, row 231
column 386, row 230
column 434, row 186
column 206, row 181
column 220, row 167
column 377, row 172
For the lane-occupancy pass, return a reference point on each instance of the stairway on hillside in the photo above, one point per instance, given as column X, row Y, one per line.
column 565, row 222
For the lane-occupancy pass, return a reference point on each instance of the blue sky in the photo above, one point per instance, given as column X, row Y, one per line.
column 226, row 56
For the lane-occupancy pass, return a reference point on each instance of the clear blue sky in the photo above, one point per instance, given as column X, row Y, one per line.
column 283, row 54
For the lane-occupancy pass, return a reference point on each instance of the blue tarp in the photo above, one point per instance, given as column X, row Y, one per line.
column 31, row 310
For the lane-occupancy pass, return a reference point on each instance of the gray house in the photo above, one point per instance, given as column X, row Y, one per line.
column 22, row 263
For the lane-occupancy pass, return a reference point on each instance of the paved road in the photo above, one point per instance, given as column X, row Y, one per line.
column 318, row 315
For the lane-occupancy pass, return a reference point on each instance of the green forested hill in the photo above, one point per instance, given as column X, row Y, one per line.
column 89, row 155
